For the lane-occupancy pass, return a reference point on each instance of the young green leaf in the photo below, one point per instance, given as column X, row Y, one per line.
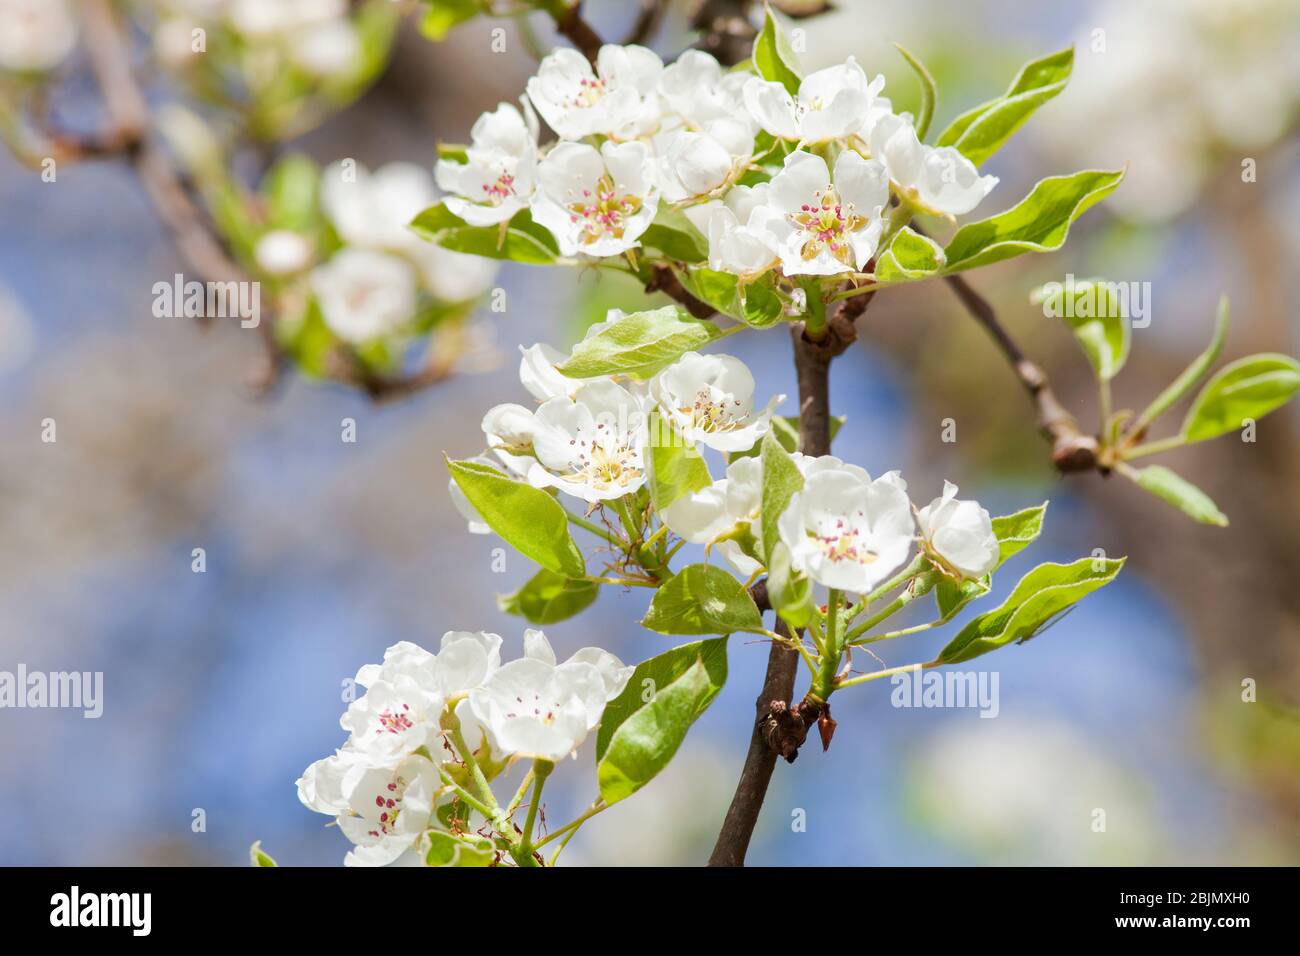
column 1041, row 595
column 443, row 15
column 1094, row 309
column 702, row 599
column 781, row 479
column 259, row 857
column 774, row 58
column 291, row 188
column 529, row 519
column 754, row 303
column 951, row 596
column 1179, row 492
column 642, row 727
column 1015, row 532
column 1250, row 387
column 522, row 240
column 1038, row 223
column 639, row 344
column 980, row 132
column 928, row 96
column 675, row 236
column 467, row 850
column 910, row 256
column 790, row 594
column 547, row 598
column 675, row 468
column 1190, row 375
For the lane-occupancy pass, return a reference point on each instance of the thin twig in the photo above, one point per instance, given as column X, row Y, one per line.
column 1072, row 449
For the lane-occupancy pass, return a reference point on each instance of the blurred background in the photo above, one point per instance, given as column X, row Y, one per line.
column 221, row 687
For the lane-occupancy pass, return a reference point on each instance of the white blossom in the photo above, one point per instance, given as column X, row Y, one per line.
column 389, row 809
column 710, row 399
column 826, row 227
column 618, row 99
column 538, row 373
column 740, row 229
column 833, row 103
column 959, row 533
column 597, row 202
column 696, row 163
column 328, row 48
column 937, row 180
column 282, row 252
column 698, row 90
column 374, row 211
column 532, row 707
column 364, row 294
column 37, row 34
column 847, row 531
column 500, row 171
column 591, row 446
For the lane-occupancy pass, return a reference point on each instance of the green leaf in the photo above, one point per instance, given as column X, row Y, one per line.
column 1190, row 375
column 781, row 479
column 910, row 256
column 642, row 727
column 928, row 96
column 951, row 596
column 774, row 58
column 526, row 517
column 453, row 152
column 702, row 599
column 259, row 857
column 1038, row 223
column 1041, row 595
column 443, row 15
column 547, row 598
column 675, row 236
column 639, row 344
column 755, row 303
column 790, row 594
column 1250, row 387
column 675, row 468
column 468, row 850
column 1094, row 309
column 522, row 241
column 291, row 188
column 980, row 132
column 1180, row 493
column 1015, row 532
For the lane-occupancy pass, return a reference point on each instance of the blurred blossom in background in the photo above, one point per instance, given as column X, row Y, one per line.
column 221, row 687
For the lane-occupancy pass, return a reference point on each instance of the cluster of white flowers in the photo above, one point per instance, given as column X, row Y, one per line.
column 633, row 132
column 590, row 438
column 36, row 35
column 844, row 529
column 370, row 288
column 386, row 781
column 317, row 36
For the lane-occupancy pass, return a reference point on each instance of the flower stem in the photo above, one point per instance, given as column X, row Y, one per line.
column 887, row 672
column 832, row 650
column 1155, row 447
column 523, row 853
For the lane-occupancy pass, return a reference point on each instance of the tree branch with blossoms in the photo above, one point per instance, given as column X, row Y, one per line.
column 643, row 458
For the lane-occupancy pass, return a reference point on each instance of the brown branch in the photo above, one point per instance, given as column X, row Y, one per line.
column 647, row 21
column 779, row 728
column 665, row 280
column 570, row 25
column 1072, row 449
